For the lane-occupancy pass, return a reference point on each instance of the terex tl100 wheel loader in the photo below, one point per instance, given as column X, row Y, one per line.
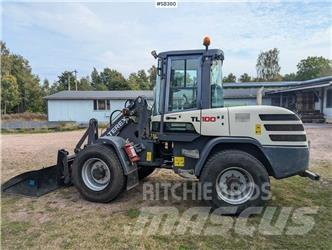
column 188, row 129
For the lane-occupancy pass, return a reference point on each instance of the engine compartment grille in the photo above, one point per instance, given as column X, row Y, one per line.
column 288, row 137
column 284, row 127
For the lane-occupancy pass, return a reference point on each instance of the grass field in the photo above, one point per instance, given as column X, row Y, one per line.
column 62, row 219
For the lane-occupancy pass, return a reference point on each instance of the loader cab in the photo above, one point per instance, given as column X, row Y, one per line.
column 187, row 81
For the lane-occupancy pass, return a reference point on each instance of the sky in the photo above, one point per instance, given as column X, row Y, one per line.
column 57, row 36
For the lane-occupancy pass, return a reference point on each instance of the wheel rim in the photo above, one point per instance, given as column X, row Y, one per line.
column 96, row 174
column 235, row 185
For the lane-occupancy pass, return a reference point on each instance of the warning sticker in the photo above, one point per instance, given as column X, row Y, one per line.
column 258, row 129
column 178, row 161
column 148, row 156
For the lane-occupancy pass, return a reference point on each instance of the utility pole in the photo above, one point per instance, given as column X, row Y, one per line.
column 75, row 72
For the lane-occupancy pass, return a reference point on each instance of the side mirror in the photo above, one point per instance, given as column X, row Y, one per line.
column 154, row 54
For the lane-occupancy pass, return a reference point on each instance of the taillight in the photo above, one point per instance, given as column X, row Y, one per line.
column 130, row 151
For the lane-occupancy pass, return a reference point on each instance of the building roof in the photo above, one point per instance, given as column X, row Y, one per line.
column 90, row 95
column 309, row 84
column 260, row 84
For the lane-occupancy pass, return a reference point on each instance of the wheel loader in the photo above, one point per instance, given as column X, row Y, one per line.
column 189, row 130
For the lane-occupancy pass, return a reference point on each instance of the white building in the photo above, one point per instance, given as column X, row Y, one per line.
column 312, row 100
column 81, row 106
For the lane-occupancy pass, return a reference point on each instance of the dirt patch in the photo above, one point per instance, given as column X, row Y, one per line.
column 320, row 143
column 63, row 219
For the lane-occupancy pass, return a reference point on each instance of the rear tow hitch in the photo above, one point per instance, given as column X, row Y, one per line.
column 310, row 175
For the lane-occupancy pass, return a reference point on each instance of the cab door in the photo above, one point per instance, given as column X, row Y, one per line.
column 183, row 93
column 214, row 118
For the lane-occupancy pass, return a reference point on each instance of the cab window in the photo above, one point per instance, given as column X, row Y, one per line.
column 183, row 84
column 217, row 99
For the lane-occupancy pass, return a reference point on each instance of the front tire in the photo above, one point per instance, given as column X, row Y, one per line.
column 237, row 179
column 97, row 174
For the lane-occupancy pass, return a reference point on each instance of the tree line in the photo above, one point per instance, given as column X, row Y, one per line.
column 268, row 69
column 22, row 91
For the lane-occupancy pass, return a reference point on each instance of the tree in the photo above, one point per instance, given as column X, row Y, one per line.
column 230, row 78
column 245, row 78
column 113, row 80
column 5, row 60
column 289, row 77
column 9, row 93
column 66, row 81
column 45, row 88
column 30, row 97
column 139, row 81
column 96, row 81
column 267, row 65
column 133, row 82
column 152, row 76
column 313, row 67
column 33, row 97
column 84, row 83
column 45, row 91
column 144, row 81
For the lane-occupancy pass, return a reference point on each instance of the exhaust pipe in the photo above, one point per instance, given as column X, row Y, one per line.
column 311, row 175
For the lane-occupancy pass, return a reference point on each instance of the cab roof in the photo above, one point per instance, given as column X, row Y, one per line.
column 209, row 52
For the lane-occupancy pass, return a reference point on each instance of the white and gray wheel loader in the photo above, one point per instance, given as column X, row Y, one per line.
column 189, row 130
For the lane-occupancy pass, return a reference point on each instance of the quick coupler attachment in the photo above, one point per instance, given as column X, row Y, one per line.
column 39, row 182
column 311, row 175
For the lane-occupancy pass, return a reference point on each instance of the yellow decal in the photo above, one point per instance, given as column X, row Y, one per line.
column 154, row 136
column 258, row 129
column 148, row 156
column 178, row 161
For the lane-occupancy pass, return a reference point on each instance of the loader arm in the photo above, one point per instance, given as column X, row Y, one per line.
column 132, row 122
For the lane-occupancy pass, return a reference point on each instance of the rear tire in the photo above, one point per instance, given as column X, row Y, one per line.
column 237, row 179
column 98, row 174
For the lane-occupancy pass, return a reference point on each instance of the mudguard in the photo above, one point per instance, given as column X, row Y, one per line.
column 219, row 140
column 283, row 161
column 129, row 169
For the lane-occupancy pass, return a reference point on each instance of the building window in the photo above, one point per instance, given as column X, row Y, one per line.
column 329, row 98
column 101, row 104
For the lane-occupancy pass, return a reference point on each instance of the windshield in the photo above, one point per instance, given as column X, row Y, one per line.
column 217, row 95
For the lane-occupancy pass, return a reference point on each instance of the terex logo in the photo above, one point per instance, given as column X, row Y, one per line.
column 117, row 127
column 204, row 119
